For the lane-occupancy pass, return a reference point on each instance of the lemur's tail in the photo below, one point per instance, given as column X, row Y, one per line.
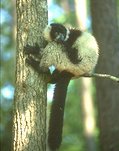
column 57, row 112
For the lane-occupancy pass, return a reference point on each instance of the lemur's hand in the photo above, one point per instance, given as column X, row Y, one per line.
column 33, row 57
column 34, row 50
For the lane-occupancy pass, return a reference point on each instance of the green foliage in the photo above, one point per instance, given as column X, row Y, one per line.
column 7, row 44
column 6, row 129
column 59, row 2
column 64, row 19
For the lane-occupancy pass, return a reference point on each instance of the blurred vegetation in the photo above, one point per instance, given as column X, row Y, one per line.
column 7, row 70
column 73, row 139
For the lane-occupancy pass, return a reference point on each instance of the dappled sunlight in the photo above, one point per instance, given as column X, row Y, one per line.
column 88, row 113
column 89, row 120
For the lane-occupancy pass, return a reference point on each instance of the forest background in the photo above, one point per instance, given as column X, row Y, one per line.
column 81, row 126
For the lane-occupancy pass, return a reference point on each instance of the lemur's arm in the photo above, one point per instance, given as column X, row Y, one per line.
column 33, row 58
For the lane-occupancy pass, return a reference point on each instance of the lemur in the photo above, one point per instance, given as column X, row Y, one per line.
column 73, row 53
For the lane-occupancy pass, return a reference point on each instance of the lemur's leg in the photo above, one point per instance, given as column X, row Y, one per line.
column 33, row 51
column 36, row 65
column 33, row 57
column 55, row 76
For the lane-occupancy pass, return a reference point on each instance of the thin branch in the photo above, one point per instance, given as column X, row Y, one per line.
column 116, row 79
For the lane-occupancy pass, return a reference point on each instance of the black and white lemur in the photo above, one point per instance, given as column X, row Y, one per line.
column 73, row 53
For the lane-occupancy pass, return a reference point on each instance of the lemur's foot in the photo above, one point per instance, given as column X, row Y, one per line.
column 31, row 61
column 36, row 65
column 32, row 49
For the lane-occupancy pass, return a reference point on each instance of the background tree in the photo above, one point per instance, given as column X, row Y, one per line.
column 30, row 96
column 105, row 27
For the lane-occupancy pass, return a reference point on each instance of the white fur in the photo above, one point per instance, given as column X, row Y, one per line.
column 87, row 49
column 67, row 34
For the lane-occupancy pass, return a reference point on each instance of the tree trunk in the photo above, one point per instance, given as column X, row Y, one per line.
column 104, row 17
column 29, row 123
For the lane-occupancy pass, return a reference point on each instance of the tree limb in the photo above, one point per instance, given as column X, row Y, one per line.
column 116, row 79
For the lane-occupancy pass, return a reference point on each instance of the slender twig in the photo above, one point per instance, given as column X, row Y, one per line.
column 116, row 79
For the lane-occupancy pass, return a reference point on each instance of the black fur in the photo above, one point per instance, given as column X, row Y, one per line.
column 59, row 33
column 57, row 111
column 32, row 49
column 32, row 53
column 56, row 30
column 56, row 75
column 73, row 52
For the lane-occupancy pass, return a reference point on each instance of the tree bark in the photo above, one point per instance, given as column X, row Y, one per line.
column 105, row 27
column 29, row 123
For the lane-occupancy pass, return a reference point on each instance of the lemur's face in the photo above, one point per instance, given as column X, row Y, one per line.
column 55, row 32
